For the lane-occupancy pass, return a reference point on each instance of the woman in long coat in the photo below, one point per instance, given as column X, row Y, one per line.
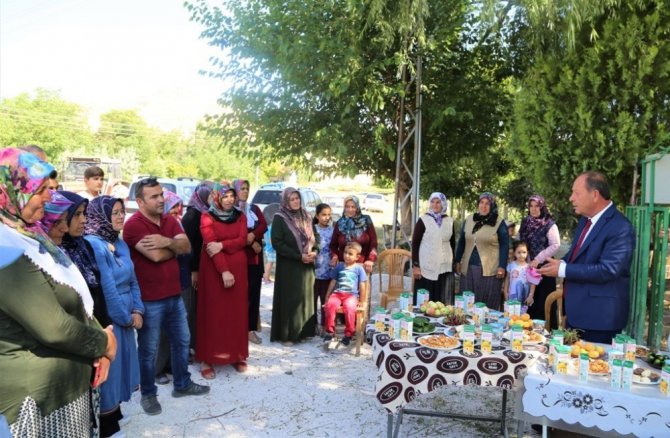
column 104, row 221
column 293, row 238
column 222, row 295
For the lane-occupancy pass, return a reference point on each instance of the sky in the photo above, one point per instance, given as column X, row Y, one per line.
column 110, row 54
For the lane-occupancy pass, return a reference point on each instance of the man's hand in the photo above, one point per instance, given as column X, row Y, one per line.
column 228, row 279
column 550, row 268
column 155, row 241
column 534, row 264
column 138, row 321
column 213, row 248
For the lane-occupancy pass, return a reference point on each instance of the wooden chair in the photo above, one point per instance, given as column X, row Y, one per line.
column 394, row 260
column 555, row 296
column 362, row 311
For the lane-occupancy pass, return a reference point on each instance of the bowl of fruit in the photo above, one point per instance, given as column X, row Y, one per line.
column 522, row 321
column 455, row 319
column 656, row 359
column 594, row 351
column 434, row 309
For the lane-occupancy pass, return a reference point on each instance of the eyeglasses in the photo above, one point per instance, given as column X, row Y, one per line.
column 119, row 213
column 149, row 181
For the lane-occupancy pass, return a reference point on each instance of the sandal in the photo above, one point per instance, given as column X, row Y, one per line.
column 240, row 367
column 208, row 373
column 253, row 337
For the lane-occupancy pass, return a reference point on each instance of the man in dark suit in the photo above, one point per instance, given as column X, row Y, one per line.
column 596, row 270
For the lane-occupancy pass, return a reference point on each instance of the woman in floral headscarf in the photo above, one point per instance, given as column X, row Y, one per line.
column 105, row 216
column 256, row 228
column 433, row 243
column 540, row 232
column 482, row 252
column 293, row 237
column 55, row 214
column 49, row 343
column 222, row 295
column 354, row 226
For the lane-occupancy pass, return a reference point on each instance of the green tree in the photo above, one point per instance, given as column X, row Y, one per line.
column 601, row 105
column 45, row 119
column 317, row 84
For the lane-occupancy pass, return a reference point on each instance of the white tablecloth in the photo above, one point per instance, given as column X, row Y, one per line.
column 643, row 412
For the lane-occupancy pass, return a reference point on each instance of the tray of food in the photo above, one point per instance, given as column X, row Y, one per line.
column 423, row 326
column 439, row 342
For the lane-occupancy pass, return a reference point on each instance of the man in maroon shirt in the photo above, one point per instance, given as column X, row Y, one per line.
column 154, row 242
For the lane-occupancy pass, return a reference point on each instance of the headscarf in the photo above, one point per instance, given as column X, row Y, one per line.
column 172, row 199
column 200, row 197
column 489, row 219
column 353, row 227
column 244, row 206
column 21, row 174
column 534, row 230
column 216, row 208
column 298, row 221
column 99, row 218
column 54, row 209
column 76, row 247
column 443, row 201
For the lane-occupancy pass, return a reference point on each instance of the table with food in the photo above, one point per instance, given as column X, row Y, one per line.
column 420, row 349
column 596, row 389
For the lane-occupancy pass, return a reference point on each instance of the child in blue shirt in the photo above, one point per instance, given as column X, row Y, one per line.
column 348, row 279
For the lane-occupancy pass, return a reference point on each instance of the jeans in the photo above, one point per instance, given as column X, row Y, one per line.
column 170, row 315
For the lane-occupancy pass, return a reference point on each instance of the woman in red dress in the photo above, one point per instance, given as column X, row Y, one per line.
column 222, row 323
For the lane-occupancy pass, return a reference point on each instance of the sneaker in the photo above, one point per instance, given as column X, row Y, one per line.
column 346, row 340
column 162, row 379
column 193, row 389
column 327, row 337
column 150, row 405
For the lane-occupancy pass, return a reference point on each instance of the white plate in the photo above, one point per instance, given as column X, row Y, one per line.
column 508, row 335
column 458, row 345
column 647, row 383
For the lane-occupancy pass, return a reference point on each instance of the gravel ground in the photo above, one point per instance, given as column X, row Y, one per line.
column 304, row 391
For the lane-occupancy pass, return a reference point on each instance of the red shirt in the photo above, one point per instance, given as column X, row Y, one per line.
column 157, row 280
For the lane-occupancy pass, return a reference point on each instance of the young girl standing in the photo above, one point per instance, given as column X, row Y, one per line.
column 322, row 263
column 517, row 286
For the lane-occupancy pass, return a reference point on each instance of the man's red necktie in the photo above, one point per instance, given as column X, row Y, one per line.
column 580, row 241
column 573, row 255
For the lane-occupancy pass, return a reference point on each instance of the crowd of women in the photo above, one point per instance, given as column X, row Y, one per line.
column 482, row 256
column 70, row 301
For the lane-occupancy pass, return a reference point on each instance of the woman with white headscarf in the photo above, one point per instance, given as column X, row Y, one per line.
column 433, row 242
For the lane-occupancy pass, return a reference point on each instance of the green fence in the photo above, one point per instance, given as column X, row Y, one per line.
column 648, row 272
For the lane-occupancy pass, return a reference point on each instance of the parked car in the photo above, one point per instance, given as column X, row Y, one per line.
column 182, row 186
column 272, row 195
column 374, row 202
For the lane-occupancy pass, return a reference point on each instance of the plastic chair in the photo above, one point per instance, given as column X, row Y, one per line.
column 394, row 260
column 555, row 296
column 361, row 315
